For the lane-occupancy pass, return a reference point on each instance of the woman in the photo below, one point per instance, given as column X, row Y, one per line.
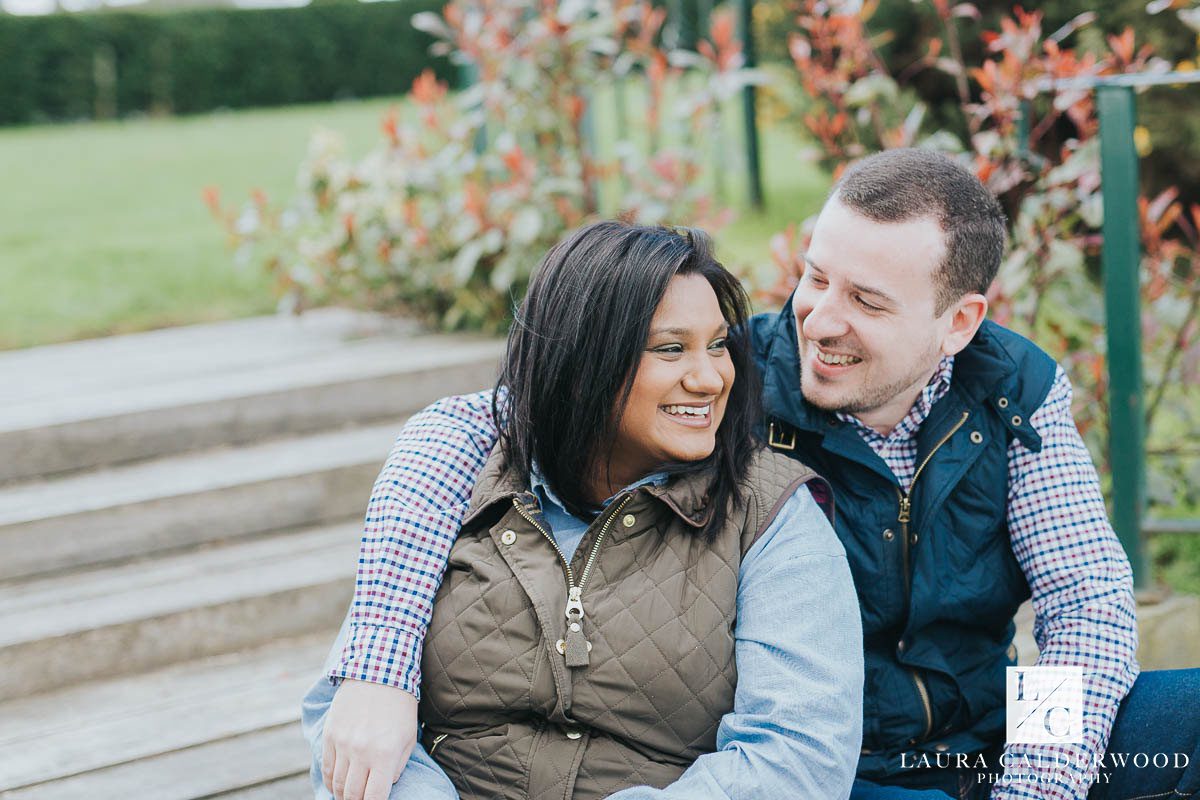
column 641, row 601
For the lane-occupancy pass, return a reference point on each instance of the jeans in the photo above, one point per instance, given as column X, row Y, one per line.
column 1161, row 714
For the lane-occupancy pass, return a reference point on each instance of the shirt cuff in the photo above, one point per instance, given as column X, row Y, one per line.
column 381, row 654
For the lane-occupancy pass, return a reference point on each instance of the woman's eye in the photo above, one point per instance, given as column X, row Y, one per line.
column 669, row 349
column 719, row 344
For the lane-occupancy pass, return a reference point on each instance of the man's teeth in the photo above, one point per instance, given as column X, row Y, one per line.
column 695, row 411
column 826, row 358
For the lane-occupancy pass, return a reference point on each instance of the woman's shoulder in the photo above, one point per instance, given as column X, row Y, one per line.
column 771, row 473
column 789, row 507
column 772, row 479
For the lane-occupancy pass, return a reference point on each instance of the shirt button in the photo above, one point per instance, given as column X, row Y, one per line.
column 508, row 537
column 900, row 646
column 572, row 733
column 628, row 520
column 888, row 535
column 914, row 538
column 941, row 747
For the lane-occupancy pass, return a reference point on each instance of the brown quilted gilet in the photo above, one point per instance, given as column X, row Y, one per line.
column 506, row 717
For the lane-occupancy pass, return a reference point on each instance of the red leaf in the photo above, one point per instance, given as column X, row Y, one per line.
column 515, row 160
column 427, row 89
column 212, row 198
column 1122, row 45
column 389, row 125
column 576, row 106
column 722, row 30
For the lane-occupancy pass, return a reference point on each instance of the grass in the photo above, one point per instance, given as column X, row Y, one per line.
column 102, row 226
column 103, row 230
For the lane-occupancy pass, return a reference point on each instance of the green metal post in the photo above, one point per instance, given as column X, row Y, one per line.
column 1121, row 257
column 467, row 75
column 1023, row 120
column 749, row 112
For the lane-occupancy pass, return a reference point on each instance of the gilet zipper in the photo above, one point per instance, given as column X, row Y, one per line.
column 574, row 612
column 904, row 517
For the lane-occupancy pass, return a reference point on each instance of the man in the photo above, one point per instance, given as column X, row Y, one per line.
column 962, row 487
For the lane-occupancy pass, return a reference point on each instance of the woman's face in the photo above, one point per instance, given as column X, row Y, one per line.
column 681, row 387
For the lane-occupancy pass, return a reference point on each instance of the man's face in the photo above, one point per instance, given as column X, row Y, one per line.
column 869, row 338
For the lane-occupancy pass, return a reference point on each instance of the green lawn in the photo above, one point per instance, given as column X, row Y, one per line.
column 102, row 226
column 103, row 230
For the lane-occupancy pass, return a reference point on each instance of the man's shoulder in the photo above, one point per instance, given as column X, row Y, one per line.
column 1017, row 346
column 1018, row 365
column 763, row 328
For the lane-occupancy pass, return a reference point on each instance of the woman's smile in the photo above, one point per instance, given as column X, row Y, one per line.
column 693, row 415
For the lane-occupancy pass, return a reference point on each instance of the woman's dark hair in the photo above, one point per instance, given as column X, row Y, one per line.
column 575, row 346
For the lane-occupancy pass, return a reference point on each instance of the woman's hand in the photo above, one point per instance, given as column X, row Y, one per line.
column 369, row 734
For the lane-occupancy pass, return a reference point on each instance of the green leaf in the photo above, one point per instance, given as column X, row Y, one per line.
column 465, row 261
column 526, row 226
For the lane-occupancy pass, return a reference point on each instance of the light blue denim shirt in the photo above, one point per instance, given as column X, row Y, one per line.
column 796, row 725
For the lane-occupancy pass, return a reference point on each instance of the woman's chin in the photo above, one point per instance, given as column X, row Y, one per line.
column 687, row 451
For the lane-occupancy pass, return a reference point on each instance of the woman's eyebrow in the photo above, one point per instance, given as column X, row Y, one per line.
column 723, row 327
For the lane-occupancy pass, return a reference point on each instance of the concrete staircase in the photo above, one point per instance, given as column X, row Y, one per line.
column 179, row 524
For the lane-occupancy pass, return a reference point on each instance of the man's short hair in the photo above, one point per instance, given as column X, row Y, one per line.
column 906, row 183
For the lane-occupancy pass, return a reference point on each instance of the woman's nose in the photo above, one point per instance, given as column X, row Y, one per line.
column 703, row 377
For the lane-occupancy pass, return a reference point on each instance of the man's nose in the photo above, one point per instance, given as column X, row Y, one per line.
column 826, row 318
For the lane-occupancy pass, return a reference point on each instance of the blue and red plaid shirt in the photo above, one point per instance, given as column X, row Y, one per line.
column 1079, row 575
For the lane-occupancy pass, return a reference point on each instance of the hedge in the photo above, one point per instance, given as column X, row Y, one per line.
column 115, row 63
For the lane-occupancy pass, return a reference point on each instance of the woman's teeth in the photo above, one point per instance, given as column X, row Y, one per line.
column 688, row 411
column 826, row 358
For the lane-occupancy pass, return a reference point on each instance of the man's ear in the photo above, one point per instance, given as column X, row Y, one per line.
column 965, row 318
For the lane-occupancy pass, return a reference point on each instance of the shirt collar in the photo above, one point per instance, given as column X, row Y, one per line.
column 541, row 488
column 937, row 387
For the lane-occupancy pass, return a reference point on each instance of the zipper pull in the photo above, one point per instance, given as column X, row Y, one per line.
column 905, row 507
column 576, row 647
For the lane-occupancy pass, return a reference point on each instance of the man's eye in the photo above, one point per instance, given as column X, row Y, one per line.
column 815, row 281
column 867, row 305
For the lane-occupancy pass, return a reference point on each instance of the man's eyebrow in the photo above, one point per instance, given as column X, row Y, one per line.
column 858, row 287
column 724, row 326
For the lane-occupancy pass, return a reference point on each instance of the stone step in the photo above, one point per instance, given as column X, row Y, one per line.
column 154, row 506
column 108, row 401
column 217, row 727
column 69, row 628
column 296, row 787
